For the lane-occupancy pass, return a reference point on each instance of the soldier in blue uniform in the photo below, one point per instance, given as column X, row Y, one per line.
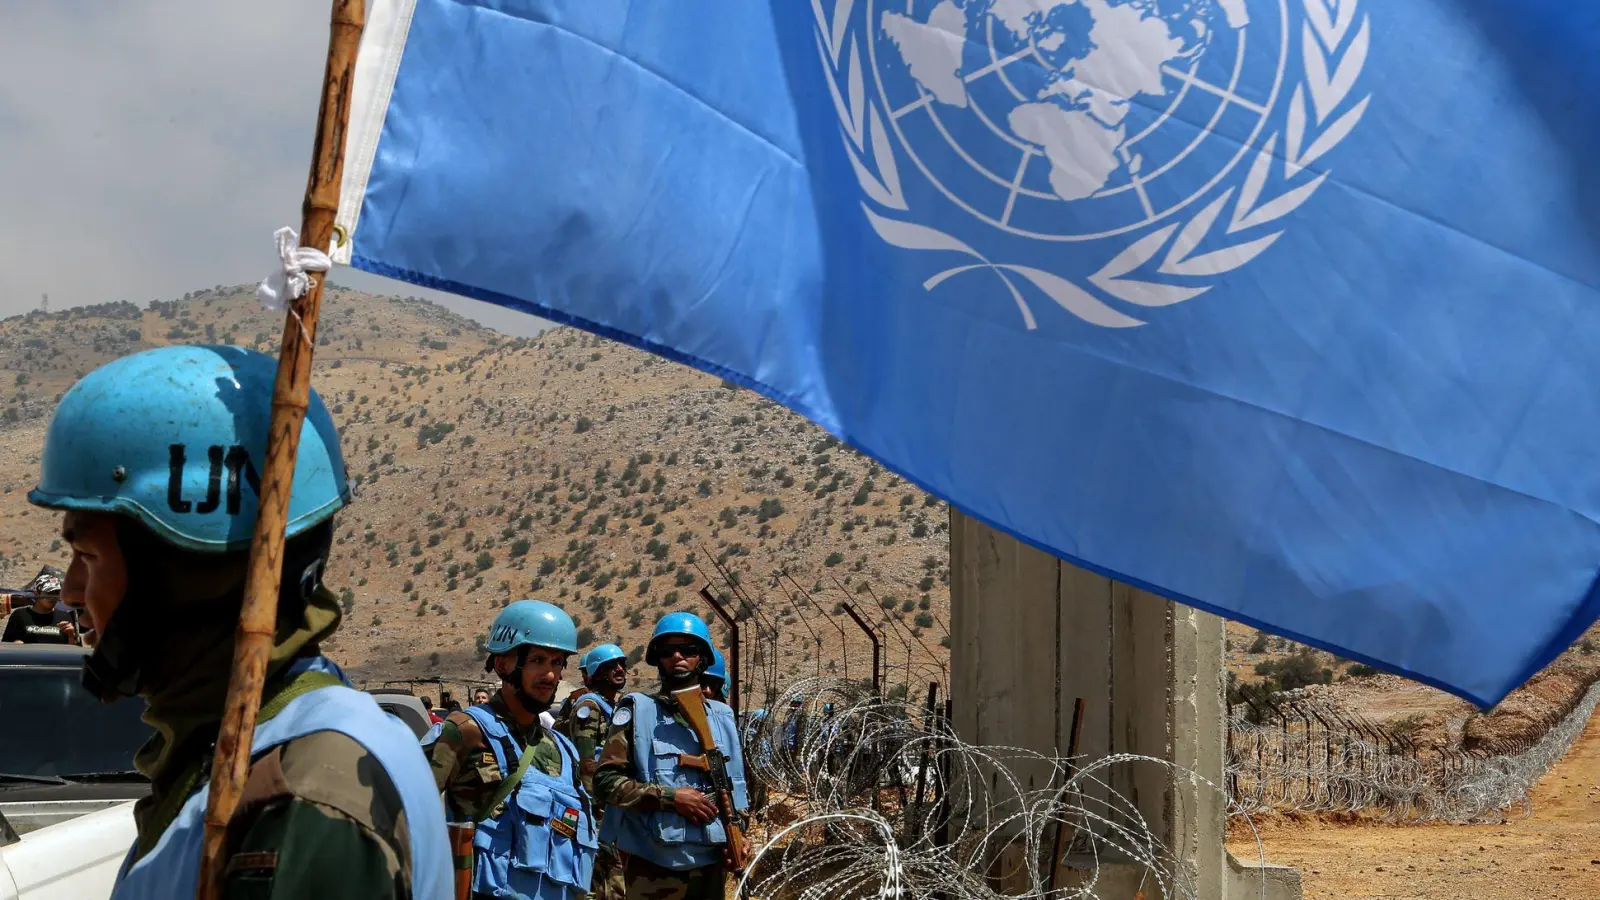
column 654, row 774
column 519, row 782
column 154, row 460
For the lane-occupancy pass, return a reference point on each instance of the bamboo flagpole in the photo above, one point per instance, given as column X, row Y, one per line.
column 290, row 396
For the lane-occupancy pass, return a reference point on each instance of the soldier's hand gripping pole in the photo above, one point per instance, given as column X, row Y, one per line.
column 694, row 710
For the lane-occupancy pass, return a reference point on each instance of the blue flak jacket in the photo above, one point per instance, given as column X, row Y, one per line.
column 660, row 743
column 172, row 867
column 519, row 853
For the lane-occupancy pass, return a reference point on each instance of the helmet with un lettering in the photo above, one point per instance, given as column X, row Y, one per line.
column 532, row 623
column 718, row 669
column 176, row 438
column 686, row 625
column 599, row 656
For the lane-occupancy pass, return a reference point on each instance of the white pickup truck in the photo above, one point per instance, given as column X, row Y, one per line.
column 67, row 785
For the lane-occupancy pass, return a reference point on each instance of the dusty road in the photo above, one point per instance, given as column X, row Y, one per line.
column 1554, row 853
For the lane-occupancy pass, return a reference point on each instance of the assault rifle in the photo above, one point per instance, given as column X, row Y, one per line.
column 693, row 705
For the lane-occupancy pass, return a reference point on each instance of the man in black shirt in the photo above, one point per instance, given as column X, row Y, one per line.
column 33, row 625
column 43, row 622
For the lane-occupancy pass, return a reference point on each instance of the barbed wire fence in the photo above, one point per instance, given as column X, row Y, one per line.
column 859, row 795
column 1292, row 751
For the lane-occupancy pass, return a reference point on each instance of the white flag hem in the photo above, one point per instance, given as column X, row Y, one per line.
column 383, row 42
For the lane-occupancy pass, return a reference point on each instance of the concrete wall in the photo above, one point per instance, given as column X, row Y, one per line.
column 1030, row 633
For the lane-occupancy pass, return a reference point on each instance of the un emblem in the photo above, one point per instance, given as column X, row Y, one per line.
column 1178, row 134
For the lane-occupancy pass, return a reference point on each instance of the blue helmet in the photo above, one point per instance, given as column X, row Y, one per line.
column 680, row 623
column 718, row 668
column 599, row 656
column 532, row 623
column 176, row 438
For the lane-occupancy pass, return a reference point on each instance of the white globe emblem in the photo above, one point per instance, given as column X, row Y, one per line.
column 1083, row 120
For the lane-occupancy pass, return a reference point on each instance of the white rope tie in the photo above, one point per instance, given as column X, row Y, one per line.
column 291, row 282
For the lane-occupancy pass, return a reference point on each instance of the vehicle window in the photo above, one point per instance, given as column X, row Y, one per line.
column 407, row 714
column 50, row 725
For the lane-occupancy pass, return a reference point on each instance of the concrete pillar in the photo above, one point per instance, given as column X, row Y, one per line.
column 1029, row 633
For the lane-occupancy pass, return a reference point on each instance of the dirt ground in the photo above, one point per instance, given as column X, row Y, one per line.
column 1555, row 852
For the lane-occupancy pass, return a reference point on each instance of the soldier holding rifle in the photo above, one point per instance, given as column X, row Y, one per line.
column 673, row 771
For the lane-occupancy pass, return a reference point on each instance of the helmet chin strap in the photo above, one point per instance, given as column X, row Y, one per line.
column 514, row 681
column 678, row 682
column 112, row 671
column 156, row 594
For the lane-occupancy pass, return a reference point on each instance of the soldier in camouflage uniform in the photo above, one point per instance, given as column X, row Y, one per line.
column 474, row 752
column 145, row 456
column 651, row 794
column 586, row 719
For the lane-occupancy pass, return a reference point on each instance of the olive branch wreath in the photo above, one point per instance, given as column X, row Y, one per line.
column 1320, row 116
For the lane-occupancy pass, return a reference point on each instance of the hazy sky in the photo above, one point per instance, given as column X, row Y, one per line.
column 151, row 147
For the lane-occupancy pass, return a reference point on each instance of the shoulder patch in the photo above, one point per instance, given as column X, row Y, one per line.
column 622, row 716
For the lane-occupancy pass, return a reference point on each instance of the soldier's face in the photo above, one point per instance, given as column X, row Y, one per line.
column 97, row 578
column 678, row 659
column 541, row 673
column 614, row 675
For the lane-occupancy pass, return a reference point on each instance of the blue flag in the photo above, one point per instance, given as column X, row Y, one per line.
column 1284, row 309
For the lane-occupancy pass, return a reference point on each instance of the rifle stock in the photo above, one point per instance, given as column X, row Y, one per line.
column 694, row 710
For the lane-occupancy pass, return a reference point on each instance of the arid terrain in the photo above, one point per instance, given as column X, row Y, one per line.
column 564, row 467
column 1554, row 852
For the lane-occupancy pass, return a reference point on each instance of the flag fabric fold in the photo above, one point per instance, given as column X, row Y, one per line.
column 1280, row 308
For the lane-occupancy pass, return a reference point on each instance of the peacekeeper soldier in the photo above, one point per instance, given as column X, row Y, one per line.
column 663, row 819
column 519, row 781
column 154, row 460
column 713, row 682
column 586, row 719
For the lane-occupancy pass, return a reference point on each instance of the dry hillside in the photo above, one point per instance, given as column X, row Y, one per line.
column 564, row 467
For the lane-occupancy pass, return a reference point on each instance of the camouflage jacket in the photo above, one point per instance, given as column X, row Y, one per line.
column 315, row 822
column 616, row 782
column 586, row 725
column 318, row 817
column 464, row 766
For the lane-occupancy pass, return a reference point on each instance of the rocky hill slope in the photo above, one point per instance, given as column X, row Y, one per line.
column 564, row 467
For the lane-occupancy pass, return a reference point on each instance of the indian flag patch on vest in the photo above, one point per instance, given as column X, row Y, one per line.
column 567, row 824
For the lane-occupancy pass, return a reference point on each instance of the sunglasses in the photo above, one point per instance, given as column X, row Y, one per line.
column 686, row 651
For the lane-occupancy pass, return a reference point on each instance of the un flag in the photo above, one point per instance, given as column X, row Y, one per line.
column 1281, row 308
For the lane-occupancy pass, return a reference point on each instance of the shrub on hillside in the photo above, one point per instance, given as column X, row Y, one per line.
column 1297, row 670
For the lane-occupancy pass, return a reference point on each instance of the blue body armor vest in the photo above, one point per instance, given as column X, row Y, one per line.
column 659, row 742
column 519, row 853
column 172, row 867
